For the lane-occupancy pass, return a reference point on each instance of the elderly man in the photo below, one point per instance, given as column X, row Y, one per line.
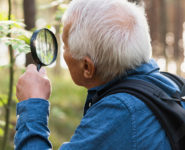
column 104, row 40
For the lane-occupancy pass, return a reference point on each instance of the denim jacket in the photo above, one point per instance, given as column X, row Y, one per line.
column 116, row 122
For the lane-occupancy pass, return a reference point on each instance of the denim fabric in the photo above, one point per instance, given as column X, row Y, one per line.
column 117, row 122
column 32, row 125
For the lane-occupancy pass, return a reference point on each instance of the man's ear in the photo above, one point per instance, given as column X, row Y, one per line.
column 88, row 68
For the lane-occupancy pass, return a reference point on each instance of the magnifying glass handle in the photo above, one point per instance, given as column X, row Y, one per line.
column 38, row 67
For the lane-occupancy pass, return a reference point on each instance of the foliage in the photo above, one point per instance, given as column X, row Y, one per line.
column 67, row 102
column 19, row 36
column 13, row 35
column 19, row 40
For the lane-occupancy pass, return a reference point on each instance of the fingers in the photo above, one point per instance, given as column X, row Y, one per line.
column 42, row 71
column 33, row 84
column 31, row 67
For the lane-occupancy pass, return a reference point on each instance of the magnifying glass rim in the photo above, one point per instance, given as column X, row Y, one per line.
column 33, row 47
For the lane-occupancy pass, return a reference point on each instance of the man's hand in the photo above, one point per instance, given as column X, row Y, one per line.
column 33, row 84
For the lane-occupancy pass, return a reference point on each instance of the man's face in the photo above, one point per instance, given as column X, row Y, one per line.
column 75, row 66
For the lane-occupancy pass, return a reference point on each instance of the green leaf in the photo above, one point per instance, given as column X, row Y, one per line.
column 12, row 23
column 17, row 44
column 3, row 16
column 1, row 132
column 48, row 26
column 24, row 38
column 3, row 100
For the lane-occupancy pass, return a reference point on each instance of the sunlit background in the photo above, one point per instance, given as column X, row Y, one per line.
column 167, row 27
column 156, row 10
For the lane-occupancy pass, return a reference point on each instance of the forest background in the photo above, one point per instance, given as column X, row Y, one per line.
column 18, row 20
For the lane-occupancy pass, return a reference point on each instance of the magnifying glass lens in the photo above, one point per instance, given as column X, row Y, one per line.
column 44, row 47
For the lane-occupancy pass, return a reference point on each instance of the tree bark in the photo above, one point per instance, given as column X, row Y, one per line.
column 29, row 20
column 178, row 30
column 163, row 29
column 29, row 13
column 153, row 19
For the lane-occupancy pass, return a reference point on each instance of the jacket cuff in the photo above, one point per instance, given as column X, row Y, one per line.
column 32, row 110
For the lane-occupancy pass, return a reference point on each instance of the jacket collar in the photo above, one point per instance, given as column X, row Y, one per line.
column 143, row 69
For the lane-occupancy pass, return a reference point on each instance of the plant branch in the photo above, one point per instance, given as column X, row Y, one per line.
column 11, row 80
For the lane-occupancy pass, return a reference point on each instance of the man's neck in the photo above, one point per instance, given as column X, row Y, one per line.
column 95, row 83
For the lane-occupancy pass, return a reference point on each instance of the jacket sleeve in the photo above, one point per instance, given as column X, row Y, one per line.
column 32, row 125
column 107, row 125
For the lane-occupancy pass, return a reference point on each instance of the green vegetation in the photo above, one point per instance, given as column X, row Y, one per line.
column 67, row 101
column 66, row 111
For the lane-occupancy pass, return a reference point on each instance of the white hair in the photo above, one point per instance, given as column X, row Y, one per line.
column 113, row 33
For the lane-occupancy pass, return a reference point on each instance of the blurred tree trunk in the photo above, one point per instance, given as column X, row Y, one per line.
column 163, row 29
column 57, row 69
column 153, row 18
column 29, row 20
column 178, row 30
column 152, row 13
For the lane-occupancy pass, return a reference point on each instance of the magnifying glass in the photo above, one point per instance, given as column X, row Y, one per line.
column 44, row 47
